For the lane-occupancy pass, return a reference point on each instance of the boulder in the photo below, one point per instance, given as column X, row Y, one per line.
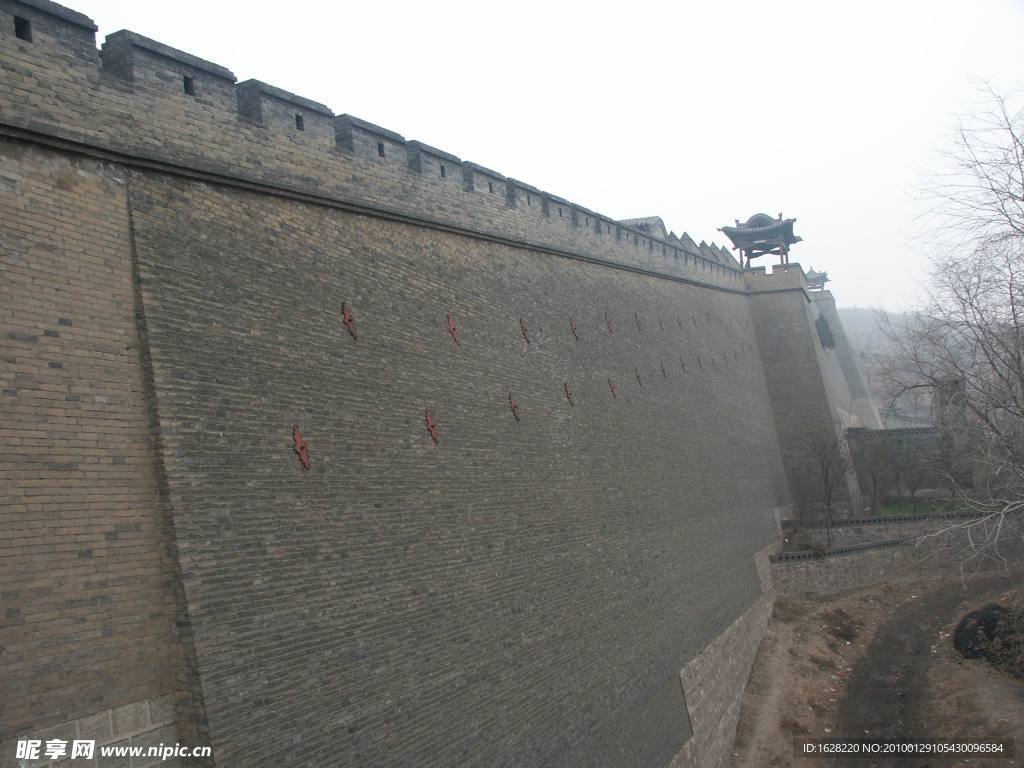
column 993, row 633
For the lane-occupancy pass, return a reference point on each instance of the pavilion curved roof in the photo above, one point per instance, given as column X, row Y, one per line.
column 762, row 229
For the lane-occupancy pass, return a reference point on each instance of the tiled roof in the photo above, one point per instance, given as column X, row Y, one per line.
column 645, row 221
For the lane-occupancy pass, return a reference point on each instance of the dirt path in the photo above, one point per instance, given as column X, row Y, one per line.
column 877, row 663
column 802, row 671
column 889, row 692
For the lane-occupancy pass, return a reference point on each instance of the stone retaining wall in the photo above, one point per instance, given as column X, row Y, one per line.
column 144, row 724
column 855, row 565
column 838, row 572
column 857, row 531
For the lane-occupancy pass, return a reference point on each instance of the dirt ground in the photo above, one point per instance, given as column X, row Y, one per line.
column 878, row 663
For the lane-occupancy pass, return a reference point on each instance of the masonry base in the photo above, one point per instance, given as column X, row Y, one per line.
column 145, row 724
column 714, row 682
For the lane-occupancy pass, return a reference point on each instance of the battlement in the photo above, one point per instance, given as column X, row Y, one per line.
column 145, row 99
column 782, row 277
column 258, row 101
column 73, row 18
column 66, row 32
column 121, row 49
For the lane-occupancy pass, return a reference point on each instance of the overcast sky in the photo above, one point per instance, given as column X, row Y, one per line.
column 699, row 112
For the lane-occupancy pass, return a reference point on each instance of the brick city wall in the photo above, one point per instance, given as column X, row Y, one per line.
column 249, row 132
column 532, row 574
column 810, row 396
column 863, row 412
column 523, row 591
column 908, row 454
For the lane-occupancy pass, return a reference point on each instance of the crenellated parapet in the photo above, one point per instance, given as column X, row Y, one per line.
column 66, row 32
column 126, row 53
column 272, row 107
column 149, row 102
column 782, row 277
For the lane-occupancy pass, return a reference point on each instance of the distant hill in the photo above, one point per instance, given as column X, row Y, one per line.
column 873, row 351
column 862, row 329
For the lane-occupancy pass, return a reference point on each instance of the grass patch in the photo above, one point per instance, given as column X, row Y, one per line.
column 923, row 507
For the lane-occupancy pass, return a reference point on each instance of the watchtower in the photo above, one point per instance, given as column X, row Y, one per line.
column 816, row 280
column 761, row 235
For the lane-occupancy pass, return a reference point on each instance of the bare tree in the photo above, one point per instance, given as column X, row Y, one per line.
column 821, row 457
column 976, row 200
column 912, row 467
column 875, row 461
column 965, row 344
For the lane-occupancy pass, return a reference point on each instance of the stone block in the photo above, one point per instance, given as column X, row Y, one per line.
column 113, row 761
column 64, row 731
column 161, row 709
column 131, row 718
column 165, row 735
column 96, row 726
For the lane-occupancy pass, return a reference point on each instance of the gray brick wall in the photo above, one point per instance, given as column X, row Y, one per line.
column 544, row 578
column 863, row 411
column 524, row 591
column 102, row 108
column 86, row 621
column 806, row 383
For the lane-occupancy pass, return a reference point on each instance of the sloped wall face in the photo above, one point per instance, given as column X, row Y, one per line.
column 809, row 392
column 862, row 411
column 830, row 347
column 88, row 609
column 521, row 592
